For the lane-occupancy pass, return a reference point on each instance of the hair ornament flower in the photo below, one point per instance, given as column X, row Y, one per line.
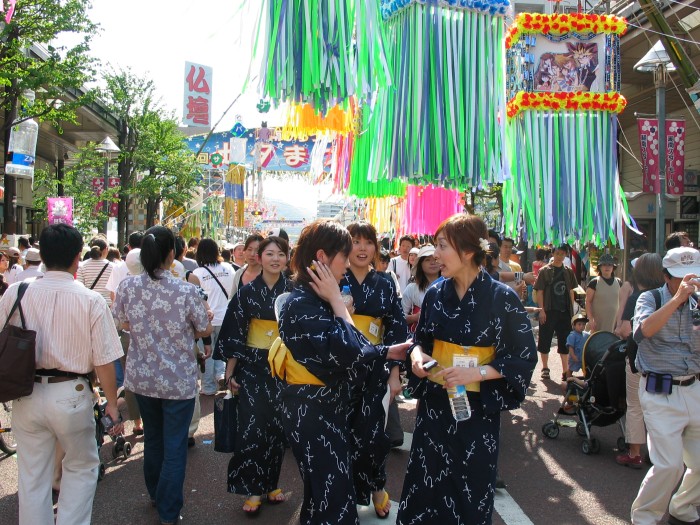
column 484, row 244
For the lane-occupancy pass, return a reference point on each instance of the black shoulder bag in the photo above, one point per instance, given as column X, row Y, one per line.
column 17, row 355
column 98, row 276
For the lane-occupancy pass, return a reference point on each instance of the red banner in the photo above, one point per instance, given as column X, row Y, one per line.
column 97, row 185
column 675, row 155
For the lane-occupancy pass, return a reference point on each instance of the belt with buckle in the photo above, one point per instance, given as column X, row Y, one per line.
column 54, row 376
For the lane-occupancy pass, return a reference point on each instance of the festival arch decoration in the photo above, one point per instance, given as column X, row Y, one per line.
column 563, row 86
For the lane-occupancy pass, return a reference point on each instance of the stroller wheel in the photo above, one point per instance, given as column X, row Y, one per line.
column 127, row 449
column 581, row 430
column 621, row 444
column 116, row 450
column 101, row 472
column 551, row 430
column 591, row 446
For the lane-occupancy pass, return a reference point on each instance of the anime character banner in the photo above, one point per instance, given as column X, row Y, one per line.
column 570, row 66
column 563, row 83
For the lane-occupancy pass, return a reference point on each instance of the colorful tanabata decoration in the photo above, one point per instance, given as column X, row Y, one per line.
column 563, row 88
column 322, row 53
column 439, row 122
column 234, row 196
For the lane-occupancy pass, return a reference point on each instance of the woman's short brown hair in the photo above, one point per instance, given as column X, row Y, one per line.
column 463, row 232
column 326, row 235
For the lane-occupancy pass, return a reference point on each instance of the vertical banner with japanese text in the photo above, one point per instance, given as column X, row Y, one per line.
column 198, row 95
column 60, row 210
column 675, row 155
column 97, row 186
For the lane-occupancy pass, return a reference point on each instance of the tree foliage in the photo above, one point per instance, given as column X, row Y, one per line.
column 155, row 166
column 30, row 60
column 168, row 166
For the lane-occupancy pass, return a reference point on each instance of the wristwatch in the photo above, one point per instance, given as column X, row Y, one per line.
column 482, row 371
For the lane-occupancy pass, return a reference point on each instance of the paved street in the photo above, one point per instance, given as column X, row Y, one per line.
column 549, row 482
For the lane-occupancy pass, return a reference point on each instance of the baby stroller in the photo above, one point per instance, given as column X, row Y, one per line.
column 121, row 446
column 599, row 399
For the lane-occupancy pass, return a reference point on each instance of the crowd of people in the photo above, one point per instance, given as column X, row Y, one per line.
column 318, row 340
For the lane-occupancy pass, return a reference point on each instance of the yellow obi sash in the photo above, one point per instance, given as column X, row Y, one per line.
column 262, row 333
column 371, row 327
column 283, row 365
column 444, row 352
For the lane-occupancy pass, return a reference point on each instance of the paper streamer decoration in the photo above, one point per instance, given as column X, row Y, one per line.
column 234, row 196
column 675, row 155
column 428, row 206
column 303, row 121
column 565, row 184
column 322, row 53
column 440, row 122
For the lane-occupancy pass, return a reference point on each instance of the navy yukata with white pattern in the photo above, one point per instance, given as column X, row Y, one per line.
column 452, row 466
column 254, row 468
column 376, row 297
column 315, row 417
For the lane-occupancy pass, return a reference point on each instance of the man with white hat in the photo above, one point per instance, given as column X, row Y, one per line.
column 31, row 268
column 667, row 329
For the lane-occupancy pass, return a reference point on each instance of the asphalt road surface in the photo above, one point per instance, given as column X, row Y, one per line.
column 549, row 481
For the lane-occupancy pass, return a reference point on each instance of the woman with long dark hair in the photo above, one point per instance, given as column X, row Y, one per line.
column 478, row 332
column 248, row 331
column 164, row 315
column 377, row 314
column 323, row 355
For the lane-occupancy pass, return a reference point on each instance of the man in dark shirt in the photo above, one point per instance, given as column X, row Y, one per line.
column 554, row 293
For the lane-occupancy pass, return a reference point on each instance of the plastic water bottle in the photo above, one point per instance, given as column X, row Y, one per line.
column 347, row 297
column 459, row 403
column 22, row 146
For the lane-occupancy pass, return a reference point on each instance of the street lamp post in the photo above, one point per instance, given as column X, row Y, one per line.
column 107, row 148
column 658, row 62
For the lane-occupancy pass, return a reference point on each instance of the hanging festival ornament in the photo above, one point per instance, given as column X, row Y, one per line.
column 322, row 53
column 263, row 106
column 563, row 85
column 217, row 160
column 439, row 124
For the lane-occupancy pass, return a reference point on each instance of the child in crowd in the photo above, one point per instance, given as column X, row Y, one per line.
column 577, row 338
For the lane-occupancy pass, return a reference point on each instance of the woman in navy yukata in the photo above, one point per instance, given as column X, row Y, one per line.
column 478, row 332
column 379, row 316
column 247, row 333
column 321, row 358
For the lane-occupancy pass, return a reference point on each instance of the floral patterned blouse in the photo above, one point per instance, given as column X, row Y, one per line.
column 163, row 316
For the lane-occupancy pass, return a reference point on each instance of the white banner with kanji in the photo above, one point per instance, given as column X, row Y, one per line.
column 198, row 95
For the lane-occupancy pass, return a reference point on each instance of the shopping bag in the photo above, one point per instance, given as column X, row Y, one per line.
column 225, row 423
column 17, row 355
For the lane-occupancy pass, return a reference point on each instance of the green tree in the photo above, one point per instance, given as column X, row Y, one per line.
column 129, row 97
column 168, row 166
column 29, row 60
column 77, row 183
